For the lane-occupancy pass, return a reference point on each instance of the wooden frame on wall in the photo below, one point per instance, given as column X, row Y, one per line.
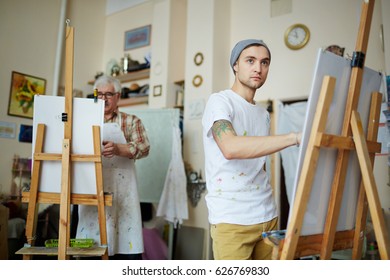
column 137, row 38
column 23, row 89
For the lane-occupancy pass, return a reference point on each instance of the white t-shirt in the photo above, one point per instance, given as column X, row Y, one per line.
column 238, row 191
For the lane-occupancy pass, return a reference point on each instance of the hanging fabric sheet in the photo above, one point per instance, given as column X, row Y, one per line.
column 173, row 202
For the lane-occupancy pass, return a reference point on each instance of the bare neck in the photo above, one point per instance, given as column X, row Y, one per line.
column 245, row 92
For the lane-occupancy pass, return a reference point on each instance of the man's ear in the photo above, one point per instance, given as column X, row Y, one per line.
column 235, row 66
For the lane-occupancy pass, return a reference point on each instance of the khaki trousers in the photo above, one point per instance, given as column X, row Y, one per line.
column 241, row 242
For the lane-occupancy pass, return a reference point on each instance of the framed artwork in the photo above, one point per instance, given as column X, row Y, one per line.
column 7, row 129
column 23, row 89
column 25, row 133
column 137, row 38
column 157, row 90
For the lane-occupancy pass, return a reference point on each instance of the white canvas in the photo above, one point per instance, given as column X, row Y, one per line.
column 86, row 113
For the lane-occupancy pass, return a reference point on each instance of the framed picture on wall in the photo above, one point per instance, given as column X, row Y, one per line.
column 137, row 38
column 25, row 133
column 23, row 89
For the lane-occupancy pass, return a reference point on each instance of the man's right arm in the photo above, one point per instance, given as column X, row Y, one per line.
column 233, row 146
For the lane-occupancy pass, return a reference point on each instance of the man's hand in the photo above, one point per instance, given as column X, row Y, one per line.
column 110, row 149
column 298, row 138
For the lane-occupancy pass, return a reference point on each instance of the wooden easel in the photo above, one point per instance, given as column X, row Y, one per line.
column 65, row 198
column 293, row 245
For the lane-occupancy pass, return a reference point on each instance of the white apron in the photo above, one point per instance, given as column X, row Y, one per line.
column 124, row 226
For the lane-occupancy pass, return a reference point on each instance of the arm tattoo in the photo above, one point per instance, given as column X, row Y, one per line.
column 222, row 126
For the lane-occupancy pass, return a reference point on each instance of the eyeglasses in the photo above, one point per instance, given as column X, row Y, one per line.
column 107, row 95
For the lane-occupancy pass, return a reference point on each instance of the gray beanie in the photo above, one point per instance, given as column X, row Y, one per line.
column 240, row 46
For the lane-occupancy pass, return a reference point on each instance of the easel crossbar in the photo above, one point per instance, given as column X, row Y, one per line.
column 341, row 142
column 311, row 245
column 73, row 157
column 70, row 251
column 54, row 198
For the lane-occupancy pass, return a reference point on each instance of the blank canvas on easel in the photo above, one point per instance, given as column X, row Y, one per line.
column 329, row 64
column 86, row 113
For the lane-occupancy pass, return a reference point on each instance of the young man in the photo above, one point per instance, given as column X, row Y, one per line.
column 124, row 141
column 236, row 142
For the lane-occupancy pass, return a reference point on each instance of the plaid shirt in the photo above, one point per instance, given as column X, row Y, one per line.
column 134, row 132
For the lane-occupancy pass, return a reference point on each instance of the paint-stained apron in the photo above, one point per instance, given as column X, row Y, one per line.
column 124, row 226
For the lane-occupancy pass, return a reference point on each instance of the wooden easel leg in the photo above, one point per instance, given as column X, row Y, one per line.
column 360, row 226
column 362, row 207
column 343, row 155
column 64, row 231
column 100, row 191
column 370, row 187
column 32, row 211
column 308, row 170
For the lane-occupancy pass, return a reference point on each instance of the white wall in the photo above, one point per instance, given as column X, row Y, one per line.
column 89, row 38
column 116, row 26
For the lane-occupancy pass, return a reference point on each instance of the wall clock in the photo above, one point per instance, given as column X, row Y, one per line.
column 296, row 36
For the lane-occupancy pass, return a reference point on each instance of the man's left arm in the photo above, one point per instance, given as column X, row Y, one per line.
column 137, row 145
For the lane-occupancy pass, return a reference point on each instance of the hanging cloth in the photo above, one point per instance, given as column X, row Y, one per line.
column 290, row 119
column 173, row 202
